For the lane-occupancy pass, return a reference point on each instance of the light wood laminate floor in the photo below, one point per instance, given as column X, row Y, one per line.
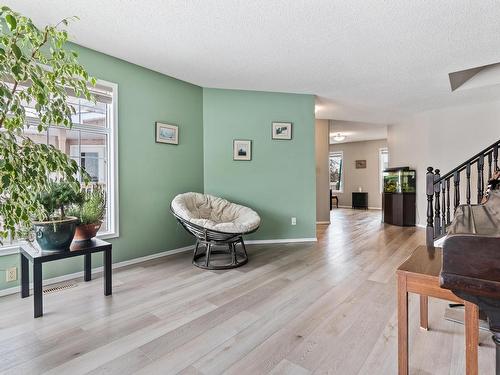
column 310, row 308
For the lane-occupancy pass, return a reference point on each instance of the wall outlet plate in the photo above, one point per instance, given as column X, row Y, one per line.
column 294, row 221
column 11, row 274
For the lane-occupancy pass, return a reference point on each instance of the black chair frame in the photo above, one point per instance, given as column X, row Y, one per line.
column 208, row 239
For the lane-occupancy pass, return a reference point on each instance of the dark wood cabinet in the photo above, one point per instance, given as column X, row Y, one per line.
column 360, row 200
column 399, row 209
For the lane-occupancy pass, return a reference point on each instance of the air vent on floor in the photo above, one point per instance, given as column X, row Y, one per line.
column 58, row 288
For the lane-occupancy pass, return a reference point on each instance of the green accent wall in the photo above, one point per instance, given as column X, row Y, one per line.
column 280, row 180
column 150, row 174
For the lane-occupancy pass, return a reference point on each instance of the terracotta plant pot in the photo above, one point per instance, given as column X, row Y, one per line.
column 85, row 232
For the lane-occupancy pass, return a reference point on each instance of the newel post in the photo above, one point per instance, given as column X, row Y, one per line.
column 430, row 211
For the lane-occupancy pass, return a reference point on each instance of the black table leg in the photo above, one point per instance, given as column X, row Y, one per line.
column 107, row 272
column 87, row 269
column 25, row 277
column 37, row 289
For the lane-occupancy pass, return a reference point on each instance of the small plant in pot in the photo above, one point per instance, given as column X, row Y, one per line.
column 56, row 230
column 90, row 211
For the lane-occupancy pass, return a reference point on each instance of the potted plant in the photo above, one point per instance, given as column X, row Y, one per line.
column 90, row 211
column 56, row 231
column 38, row 72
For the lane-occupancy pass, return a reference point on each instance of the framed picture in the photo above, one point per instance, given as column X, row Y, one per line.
column 242, row 149
column 282, row 130
column 166, row 133
column 360, row 164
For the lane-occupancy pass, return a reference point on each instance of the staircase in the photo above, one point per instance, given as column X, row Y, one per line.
column 441, row 190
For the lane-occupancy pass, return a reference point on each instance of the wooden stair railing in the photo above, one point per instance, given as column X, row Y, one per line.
column 440, row 192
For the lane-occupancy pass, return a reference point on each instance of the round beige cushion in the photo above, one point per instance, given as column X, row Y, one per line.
column 215, row 213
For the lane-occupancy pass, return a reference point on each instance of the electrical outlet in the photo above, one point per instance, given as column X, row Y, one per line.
column 11, row 274
column 294, row 221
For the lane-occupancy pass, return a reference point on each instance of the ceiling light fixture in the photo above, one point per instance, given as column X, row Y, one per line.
column 339, row 137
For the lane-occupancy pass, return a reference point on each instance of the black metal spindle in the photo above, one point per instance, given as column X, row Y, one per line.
column 467, row 173
column 490, row 161
column 456, row 182
column 443, row 207
column 437, row 208
column 430, row 211
column 448, row 202
column 480, row 178
column 495, row 156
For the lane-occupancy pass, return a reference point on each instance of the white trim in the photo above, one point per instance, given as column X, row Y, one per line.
column 9, row 250
column 342, row 169
column 370, row 208
column 421, row 226
column 323, row 222
column 283, row 240
column 113, row 161
column 380, row 170
column 58, row 279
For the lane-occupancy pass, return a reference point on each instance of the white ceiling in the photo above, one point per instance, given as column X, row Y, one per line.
column 357, row 131
column 367, row 60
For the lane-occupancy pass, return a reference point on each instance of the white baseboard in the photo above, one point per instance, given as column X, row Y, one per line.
column 283, row 240
column 58, row 279
column 370, row 208
column 323, row 222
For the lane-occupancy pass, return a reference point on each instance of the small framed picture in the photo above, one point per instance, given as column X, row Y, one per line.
column 242, row 149
column 360, row 164
column 166, row 133
column 282, row 130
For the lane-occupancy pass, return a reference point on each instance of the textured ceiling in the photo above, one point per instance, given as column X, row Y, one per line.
column 366, row 60
column 356, row 131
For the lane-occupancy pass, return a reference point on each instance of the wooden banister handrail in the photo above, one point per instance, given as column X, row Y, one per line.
column 438, row 189
column 473, row 159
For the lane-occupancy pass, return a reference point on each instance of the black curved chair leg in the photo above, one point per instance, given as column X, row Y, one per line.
column 207, row 254
column 196, row 246
column 232, row 247
column 244, row 247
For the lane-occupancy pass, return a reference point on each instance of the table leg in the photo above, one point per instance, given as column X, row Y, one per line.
column 87, row 268
column 424, row 312
column 37, row 289
column 471, row 337
column 107, row 273
column 402, row 326
column 25, row 277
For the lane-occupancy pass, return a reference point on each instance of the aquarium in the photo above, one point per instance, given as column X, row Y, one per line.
column 399, row 180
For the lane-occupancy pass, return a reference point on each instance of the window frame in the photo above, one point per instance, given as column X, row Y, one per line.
column 341, row 154
column 381, row 151
column 12, row 247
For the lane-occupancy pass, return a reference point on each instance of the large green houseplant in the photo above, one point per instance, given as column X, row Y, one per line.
column 37, row 73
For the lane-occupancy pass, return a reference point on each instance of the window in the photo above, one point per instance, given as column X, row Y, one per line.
column 91, row 142
column 336, row 169
column 383, row 159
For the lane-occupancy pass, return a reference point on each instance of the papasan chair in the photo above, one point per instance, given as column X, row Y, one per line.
column 218, row 226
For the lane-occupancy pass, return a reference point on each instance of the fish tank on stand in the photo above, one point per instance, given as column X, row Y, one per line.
column 399, row 196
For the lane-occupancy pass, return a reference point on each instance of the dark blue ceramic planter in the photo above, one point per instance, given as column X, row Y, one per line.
column 55, row 235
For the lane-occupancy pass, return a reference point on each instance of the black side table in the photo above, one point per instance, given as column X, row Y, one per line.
column 360, row 200
column 32, row 253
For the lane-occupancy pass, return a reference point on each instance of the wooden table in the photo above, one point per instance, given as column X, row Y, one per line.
column 420, row 274
column 32, row 253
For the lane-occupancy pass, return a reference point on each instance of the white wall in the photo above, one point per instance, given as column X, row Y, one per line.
column 367, row 178
column 442, row 138
column 322, row 173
